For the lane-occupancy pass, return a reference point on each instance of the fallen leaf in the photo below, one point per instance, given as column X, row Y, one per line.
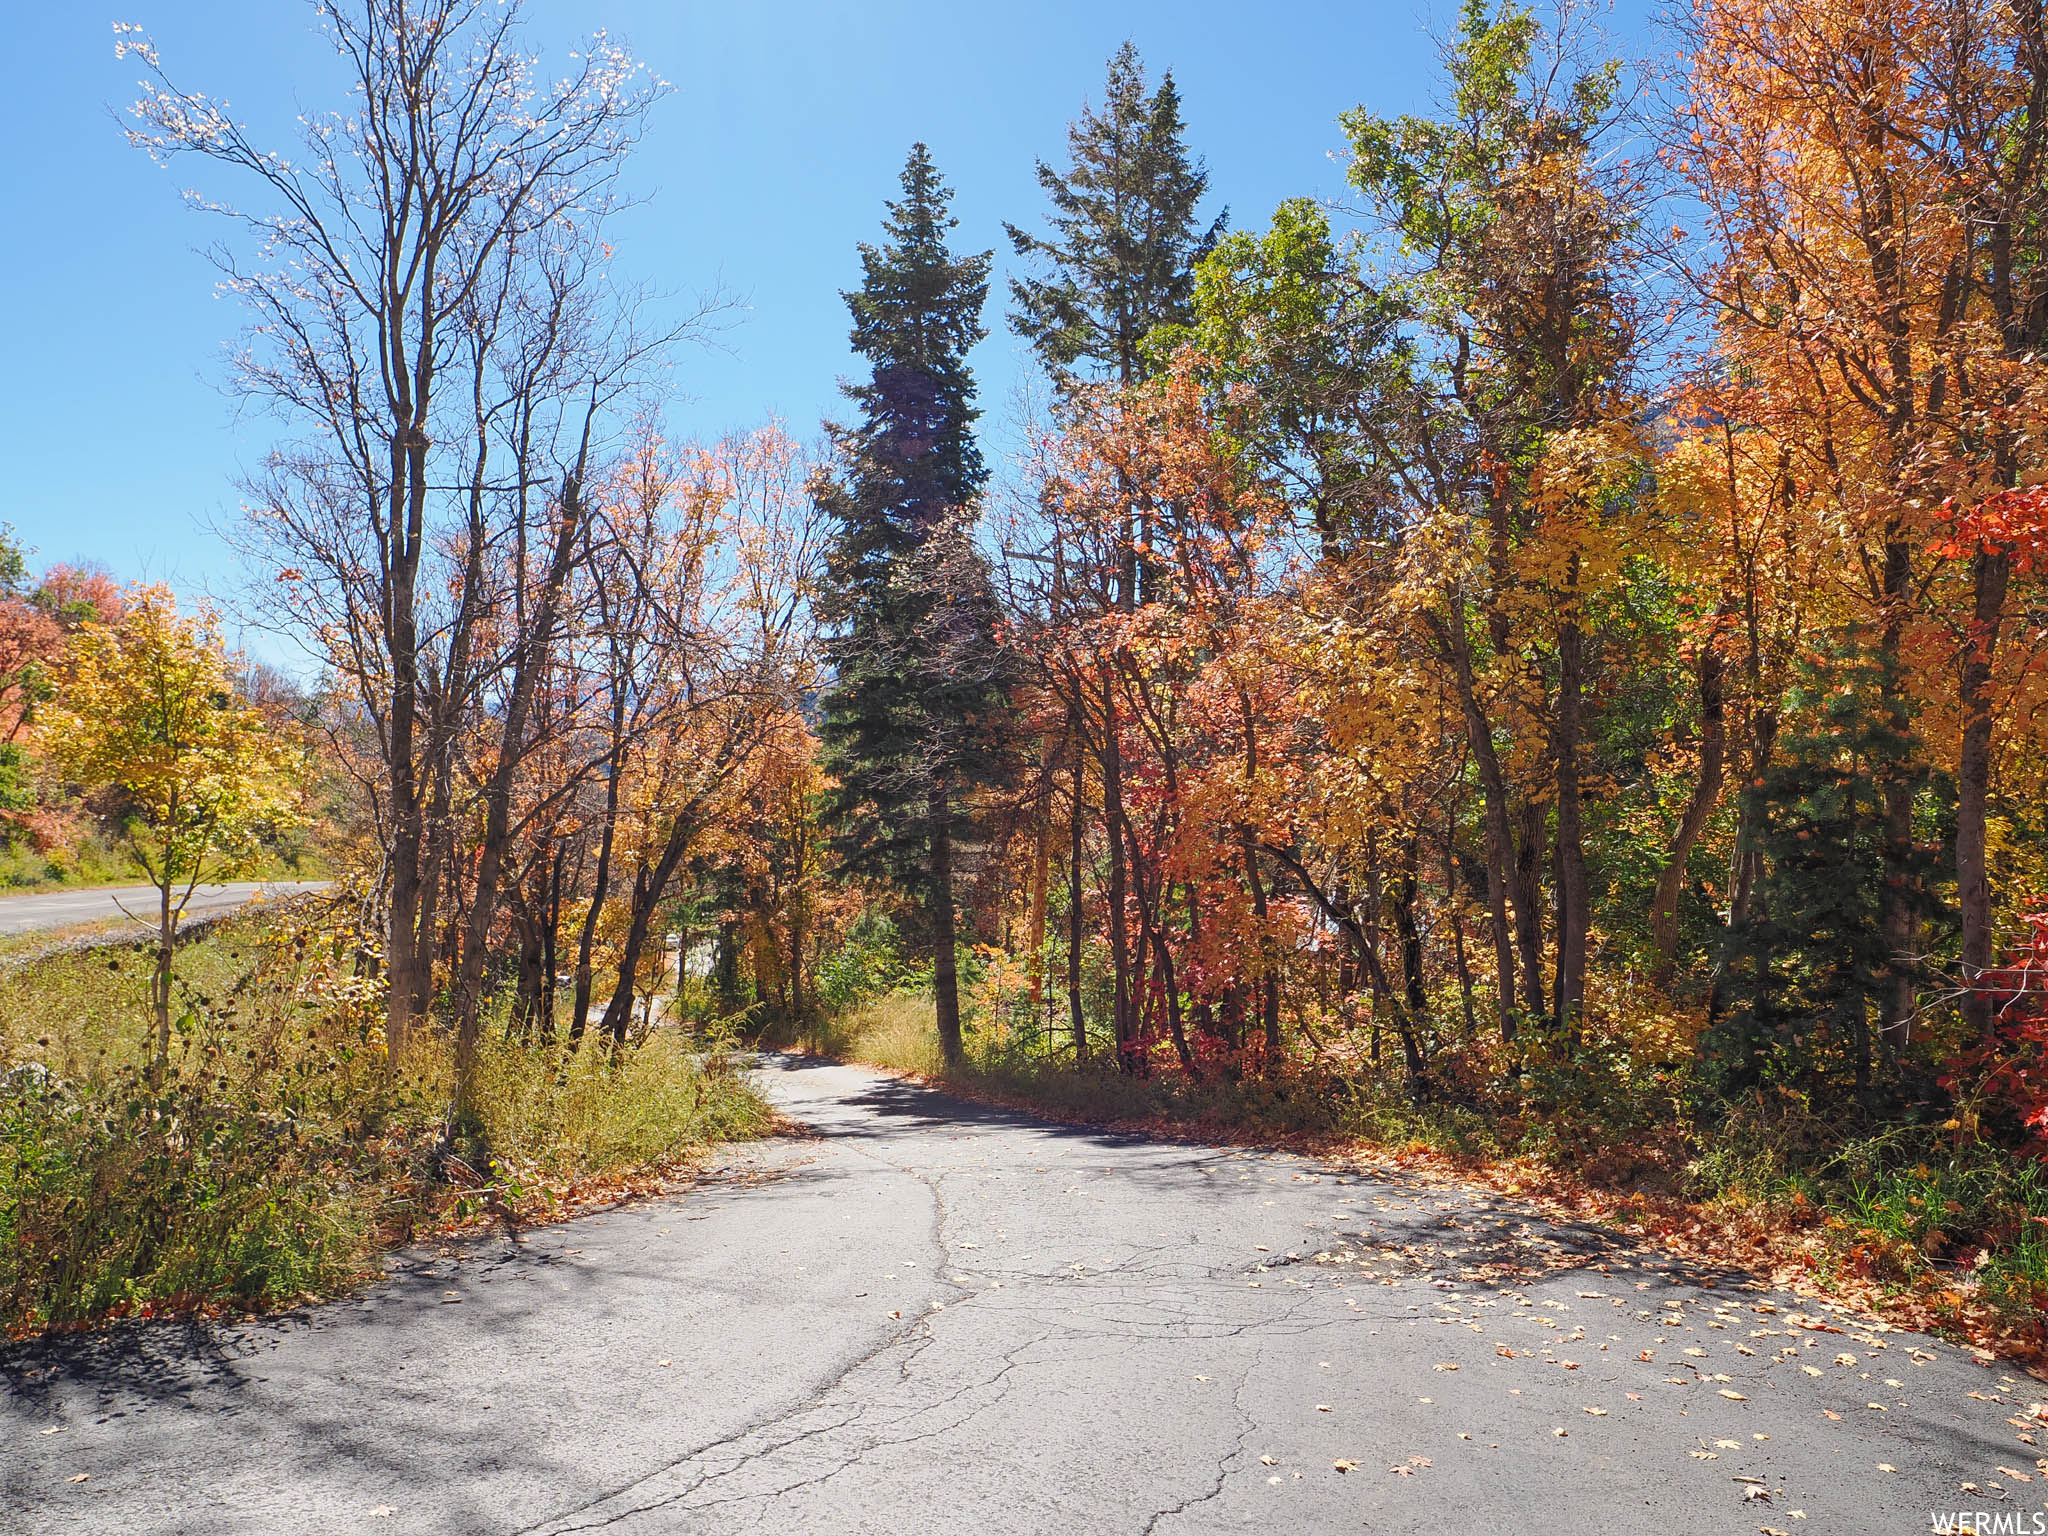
column 1322, row 1407
column 1598, row 1413
column 1845, row 1358
column 1445, row 1365
column 1352, row 1466
column 1733, row 1396
column 1885, row 1466
column 1706, row 1456
column 78, row 1477
column 1811, row 1370
column 1832, row 1414
column 1269, row 1461
column 1560, row 1432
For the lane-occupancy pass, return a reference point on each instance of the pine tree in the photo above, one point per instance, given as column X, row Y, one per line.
column 1806, row 968
column 918, row 674
column 1124, row 238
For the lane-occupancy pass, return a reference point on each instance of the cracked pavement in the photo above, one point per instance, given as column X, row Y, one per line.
column 934, row 1317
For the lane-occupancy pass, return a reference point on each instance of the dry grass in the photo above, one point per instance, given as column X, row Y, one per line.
column 278, row 1155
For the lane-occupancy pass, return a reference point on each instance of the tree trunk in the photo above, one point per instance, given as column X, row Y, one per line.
column 1500, row 841
column 945, row 977
column 1119, row 938
column 1041, row 874
column 1990, row 574
column 1076, row 929
column 1574, row 921
column 1269, row 961
column 1897, row 918
column 647, row 888
column 1699, row 806
column 1528, row 893
column 1454, row 898
column 529, row 661
column 1412, row 980
column 551, row 922
column 586, row 938
column 160, row 985
column 401, row 540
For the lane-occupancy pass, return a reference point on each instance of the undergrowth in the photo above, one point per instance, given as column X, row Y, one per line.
column 277, row 1156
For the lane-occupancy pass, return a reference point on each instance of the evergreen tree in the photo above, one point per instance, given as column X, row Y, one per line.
column 1124, row 238
column 1804, row 972
column 918, row 674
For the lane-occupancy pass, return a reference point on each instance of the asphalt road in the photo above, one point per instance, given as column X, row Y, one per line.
column 66, row 909
column 937, row 1318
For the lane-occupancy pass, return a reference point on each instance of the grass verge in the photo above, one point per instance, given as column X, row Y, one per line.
column 277, row 1156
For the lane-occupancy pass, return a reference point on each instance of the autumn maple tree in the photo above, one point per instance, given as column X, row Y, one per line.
column 149, row 710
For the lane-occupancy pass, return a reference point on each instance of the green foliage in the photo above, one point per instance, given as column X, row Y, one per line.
column 908, row 719
column 1124, row 240
column 1804, row 969
column 17, row 790
column 869, row 964
column 1291, row 315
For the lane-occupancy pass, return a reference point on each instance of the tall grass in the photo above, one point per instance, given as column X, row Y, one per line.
column 277, row 1154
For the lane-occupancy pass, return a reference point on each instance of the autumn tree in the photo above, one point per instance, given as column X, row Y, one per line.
column 1873, row 183
column 149, row 712
column 1512, row 224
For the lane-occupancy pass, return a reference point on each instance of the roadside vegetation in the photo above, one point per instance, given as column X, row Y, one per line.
column 277, row 1156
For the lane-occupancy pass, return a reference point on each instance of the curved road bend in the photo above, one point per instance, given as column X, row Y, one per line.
column 64, row 909
column 935, row 1317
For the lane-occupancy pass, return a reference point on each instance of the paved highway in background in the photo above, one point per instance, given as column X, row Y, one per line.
column 68, row 909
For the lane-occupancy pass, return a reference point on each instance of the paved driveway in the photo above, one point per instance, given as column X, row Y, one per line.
column 939, row 1318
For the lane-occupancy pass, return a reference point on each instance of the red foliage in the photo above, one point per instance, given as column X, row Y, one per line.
column 2010, row 1069
column 2012, row 523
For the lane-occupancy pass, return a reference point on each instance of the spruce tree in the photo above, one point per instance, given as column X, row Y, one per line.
column 918, row 673
column 1804, row 973
column 1124, row 235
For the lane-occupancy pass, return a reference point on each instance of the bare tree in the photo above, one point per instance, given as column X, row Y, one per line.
column 432, row 317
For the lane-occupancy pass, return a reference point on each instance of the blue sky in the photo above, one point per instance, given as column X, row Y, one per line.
column 786, row 129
